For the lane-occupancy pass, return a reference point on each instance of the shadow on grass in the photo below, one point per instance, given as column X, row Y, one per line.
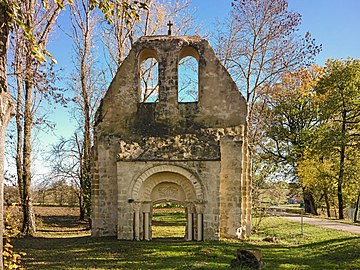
column 318, row 249
column 62, row 221
column 110, row 253
column 168, row 239
column 341, row 253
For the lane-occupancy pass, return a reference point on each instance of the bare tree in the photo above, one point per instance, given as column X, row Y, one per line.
column 71, row 157
column 259, row 43
column 66, row 158
column 87, row 85
column 6, row 109
column 32, row 86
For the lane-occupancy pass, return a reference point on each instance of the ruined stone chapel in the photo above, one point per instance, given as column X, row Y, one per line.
column 190, row 153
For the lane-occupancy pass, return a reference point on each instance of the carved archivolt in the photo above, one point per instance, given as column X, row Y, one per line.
column 174, row 177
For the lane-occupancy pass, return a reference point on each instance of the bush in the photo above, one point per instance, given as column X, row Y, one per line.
column 12, row 260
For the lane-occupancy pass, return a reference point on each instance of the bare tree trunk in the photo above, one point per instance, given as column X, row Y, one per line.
column 326, row 197
column 81, row 207
column 83, row 28
column 31, row 37
column 28, row 223
column 85, row 170
column 86, row 155
column 309, row 202
column 28, row 226
column 6, row 112
column 24, row 120
column 342, row 166
column 357, row 208
column 19, row 126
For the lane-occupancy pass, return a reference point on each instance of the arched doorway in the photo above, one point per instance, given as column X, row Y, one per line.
column 168, row 221
column 167, row 183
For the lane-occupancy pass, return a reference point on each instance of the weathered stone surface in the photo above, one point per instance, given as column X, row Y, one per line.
column 193, row 153
column 247, row 258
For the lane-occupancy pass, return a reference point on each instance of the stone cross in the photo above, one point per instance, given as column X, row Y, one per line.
column 169, row 24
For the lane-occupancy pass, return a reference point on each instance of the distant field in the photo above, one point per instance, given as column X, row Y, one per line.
column 64, row 243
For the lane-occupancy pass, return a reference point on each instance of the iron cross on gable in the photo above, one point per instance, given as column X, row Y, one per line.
column 169, row 24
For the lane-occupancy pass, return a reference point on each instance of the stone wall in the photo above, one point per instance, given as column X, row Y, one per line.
column 220, row 102
column 230, row 186
column 104, row 187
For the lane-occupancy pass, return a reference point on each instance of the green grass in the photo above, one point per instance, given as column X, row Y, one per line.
column 318, row 248
column 169, row 224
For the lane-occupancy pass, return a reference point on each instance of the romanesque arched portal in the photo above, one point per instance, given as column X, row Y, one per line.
column 167, row 183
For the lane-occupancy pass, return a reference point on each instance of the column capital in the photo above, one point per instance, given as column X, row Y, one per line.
column 190, row 207
column 146, row 207
column 200, row 207
column 136, row 206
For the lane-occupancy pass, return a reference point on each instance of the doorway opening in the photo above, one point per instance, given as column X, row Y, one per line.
column 168, row 221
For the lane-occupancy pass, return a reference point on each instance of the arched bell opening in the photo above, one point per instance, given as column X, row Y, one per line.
column 188, row 75
column 149, row 76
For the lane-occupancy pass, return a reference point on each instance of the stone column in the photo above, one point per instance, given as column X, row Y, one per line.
column 136, row 208
column 146, row 226
column 199, row 211
column 189, row 223
column 249, row 198
column 246, row 191
column 146, row 210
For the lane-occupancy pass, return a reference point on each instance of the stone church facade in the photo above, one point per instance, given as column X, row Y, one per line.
column 194, row 154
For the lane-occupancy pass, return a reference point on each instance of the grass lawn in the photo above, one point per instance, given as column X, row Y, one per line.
column 318, row 248
column 168, row 223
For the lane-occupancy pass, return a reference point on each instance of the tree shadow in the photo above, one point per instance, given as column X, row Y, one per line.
column 110, row 253
column 63, row 222
column 341, row 253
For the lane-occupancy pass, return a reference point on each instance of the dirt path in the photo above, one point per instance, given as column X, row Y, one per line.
column 325, row 223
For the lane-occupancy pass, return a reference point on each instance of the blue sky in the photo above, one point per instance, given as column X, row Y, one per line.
column 333, row 23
